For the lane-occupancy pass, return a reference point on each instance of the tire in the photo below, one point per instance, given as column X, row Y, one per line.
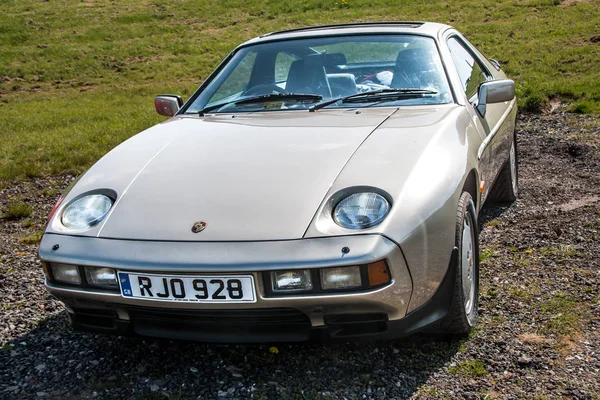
column 506, row 188
column 463, row 312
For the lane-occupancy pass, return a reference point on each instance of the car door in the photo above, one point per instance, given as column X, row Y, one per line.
column 472, row 71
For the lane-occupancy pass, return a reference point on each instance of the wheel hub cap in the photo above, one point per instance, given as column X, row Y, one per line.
column 468, row 263
column 513, row 167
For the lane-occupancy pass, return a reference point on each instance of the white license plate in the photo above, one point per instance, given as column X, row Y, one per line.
column 188, row 289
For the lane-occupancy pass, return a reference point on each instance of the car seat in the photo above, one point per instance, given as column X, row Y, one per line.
column 308, row 76
column 411, row 64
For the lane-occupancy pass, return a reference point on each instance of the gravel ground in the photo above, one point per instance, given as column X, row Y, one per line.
column 538, row 335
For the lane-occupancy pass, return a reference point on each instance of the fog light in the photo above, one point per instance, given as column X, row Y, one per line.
column 65, row 273
column 378, row 273
column 340, row 278
column 286, row 281
column 101, row 277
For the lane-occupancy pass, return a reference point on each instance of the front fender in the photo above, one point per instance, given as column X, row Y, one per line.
column 421, row 158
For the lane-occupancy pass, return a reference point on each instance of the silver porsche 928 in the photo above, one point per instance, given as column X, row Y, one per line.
column 322, row 182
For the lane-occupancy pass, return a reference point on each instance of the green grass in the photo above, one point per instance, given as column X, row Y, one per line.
column 487, row 254
column 521, row 260
column 565, row 316
column 471, row 368
column 16, row 209
column 561, row 254
column 34, row 238
column 77, row 77
column 521, row 294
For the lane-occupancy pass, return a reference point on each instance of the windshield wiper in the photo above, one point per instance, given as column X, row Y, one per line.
column 208, row 109
column 264, row 98
column 279, row 96
column 388, row 94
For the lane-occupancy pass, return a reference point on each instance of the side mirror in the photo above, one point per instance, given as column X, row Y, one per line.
column 495, row 92
column 167, row 104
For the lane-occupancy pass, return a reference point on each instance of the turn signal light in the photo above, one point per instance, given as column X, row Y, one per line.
column 378, row 273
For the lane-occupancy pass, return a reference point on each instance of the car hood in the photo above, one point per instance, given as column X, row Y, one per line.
column 419, row 157
column 259, row 176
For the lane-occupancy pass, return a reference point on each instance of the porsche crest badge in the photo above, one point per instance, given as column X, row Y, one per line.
column 199, row 226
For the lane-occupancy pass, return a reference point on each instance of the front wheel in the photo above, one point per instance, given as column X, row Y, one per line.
column 465, row 301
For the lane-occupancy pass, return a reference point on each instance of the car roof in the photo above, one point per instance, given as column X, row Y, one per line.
column 396, row 27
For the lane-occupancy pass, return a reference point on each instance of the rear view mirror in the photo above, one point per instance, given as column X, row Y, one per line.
column 167, row 104
column 495, row 92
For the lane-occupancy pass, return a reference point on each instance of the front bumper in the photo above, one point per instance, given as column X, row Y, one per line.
column 379, row 313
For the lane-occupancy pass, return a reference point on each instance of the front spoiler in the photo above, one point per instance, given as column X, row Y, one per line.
column 376, row 314
column 286, row 325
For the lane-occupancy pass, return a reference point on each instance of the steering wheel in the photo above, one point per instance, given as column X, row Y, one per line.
column 264, row 88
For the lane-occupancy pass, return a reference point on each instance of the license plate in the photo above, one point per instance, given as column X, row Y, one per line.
column 188, row 289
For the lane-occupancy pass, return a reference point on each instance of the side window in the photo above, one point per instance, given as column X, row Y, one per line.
column 283, row 62
column 469, row 70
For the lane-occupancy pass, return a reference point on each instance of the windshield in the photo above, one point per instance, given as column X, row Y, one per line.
column 297, row 74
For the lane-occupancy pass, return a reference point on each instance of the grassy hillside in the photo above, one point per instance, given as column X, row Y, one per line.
column 78, row 77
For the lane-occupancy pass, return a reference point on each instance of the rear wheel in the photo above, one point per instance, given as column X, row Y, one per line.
column 506, row 188
column 463, row 314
